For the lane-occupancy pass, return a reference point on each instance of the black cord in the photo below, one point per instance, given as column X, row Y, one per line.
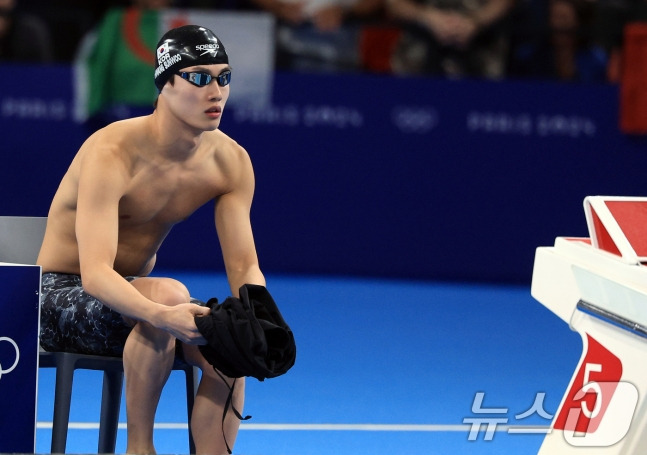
column 229, row 404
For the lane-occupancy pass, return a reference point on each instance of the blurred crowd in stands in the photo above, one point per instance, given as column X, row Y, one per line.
column 569, row 40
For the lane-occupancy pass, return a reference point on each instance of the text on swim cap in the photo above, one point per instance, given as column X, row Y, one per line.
column 207, row 47
column 166, row 61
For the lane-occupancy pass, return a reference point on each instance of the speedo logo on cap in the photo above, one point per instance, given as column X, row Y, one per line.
column 210, row 48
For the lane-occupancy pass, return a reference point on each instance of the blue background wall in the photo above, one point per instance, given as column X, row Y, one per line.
column 372, row 175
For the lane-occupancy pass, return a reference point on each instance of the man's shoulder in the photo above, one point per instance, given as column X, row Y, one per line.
column 230, row 158
column 125, row 126
column 116, row 131
column 220, row 136
column 225, row 146
column 112, row 143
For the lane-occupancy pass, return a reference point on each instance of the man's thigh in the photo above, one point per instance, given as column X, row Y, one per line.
column 74, row 321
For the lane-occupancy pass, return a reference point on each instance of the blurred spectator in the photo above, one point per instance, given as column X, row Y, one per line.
column 565, row 50
column 208, row 4
column 324, row 15
column 453, row 38
column 152, row 4
column 23, row 37
column 319, row 34
column 67, row 21
column 609, row 26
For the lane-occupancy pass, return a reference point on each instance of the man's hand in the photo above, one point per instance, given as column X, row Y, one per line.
column 179, row 321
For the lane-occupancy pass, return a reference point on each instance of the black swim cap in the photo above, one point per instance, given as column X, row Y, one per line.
column 186, row 46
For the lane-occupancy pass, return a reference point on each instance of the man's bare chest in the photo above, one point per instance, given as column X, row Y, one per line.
column 165, row 197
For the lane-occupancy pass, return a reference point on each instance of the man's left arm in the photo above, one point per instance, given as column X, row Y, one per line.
column 232, row 218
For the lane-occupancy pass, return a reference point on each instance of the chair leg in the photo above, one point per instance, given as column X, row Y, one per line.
column 192, row 382
column 62, row 397
column 110, row 405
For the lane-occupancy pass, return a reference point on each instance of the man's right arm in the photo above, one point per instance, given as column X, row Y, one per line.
column 103, row 179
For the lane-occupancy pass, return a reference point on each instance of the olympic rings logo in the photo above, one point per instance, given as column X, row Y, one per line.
column 15, row 363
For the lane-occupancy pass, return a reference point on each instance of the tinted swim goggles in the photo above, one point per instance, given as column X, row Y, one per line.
column 201, row 79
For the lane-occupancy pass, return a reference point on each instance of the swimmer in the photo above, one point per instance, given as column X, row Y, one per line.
column 128, row 184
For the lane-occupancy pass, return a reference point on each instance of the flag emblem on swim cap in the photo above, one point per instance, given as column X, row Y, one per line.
column 163, row 49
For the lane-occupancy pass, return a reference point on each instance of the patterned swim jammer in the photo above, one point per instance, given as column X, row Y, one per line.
column 72, row 320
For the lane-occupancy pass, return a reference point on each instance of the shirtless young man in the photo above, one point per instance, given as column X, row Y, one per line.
column 127, row 186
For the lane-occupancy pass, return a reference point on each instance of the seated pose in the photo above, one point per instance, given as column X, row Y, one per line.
column 127, row 186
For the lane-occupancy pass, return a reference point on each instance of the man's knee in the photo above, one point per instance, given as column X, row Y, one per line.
column 165, row 291
column 171, row 292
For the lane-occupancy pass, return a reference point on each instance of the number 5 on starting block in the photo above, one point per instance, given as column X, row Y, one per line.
column 598, row 409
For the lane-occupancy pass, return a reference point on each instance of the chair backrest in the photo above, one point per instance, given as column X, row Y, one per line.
column 21, row 238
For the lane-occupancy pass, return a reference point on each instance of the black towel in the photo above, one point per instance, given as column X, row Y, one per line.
column 247, row 336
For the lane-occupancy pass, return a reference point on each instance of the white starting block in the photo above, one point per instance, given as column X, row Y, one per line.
column 598, row 285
